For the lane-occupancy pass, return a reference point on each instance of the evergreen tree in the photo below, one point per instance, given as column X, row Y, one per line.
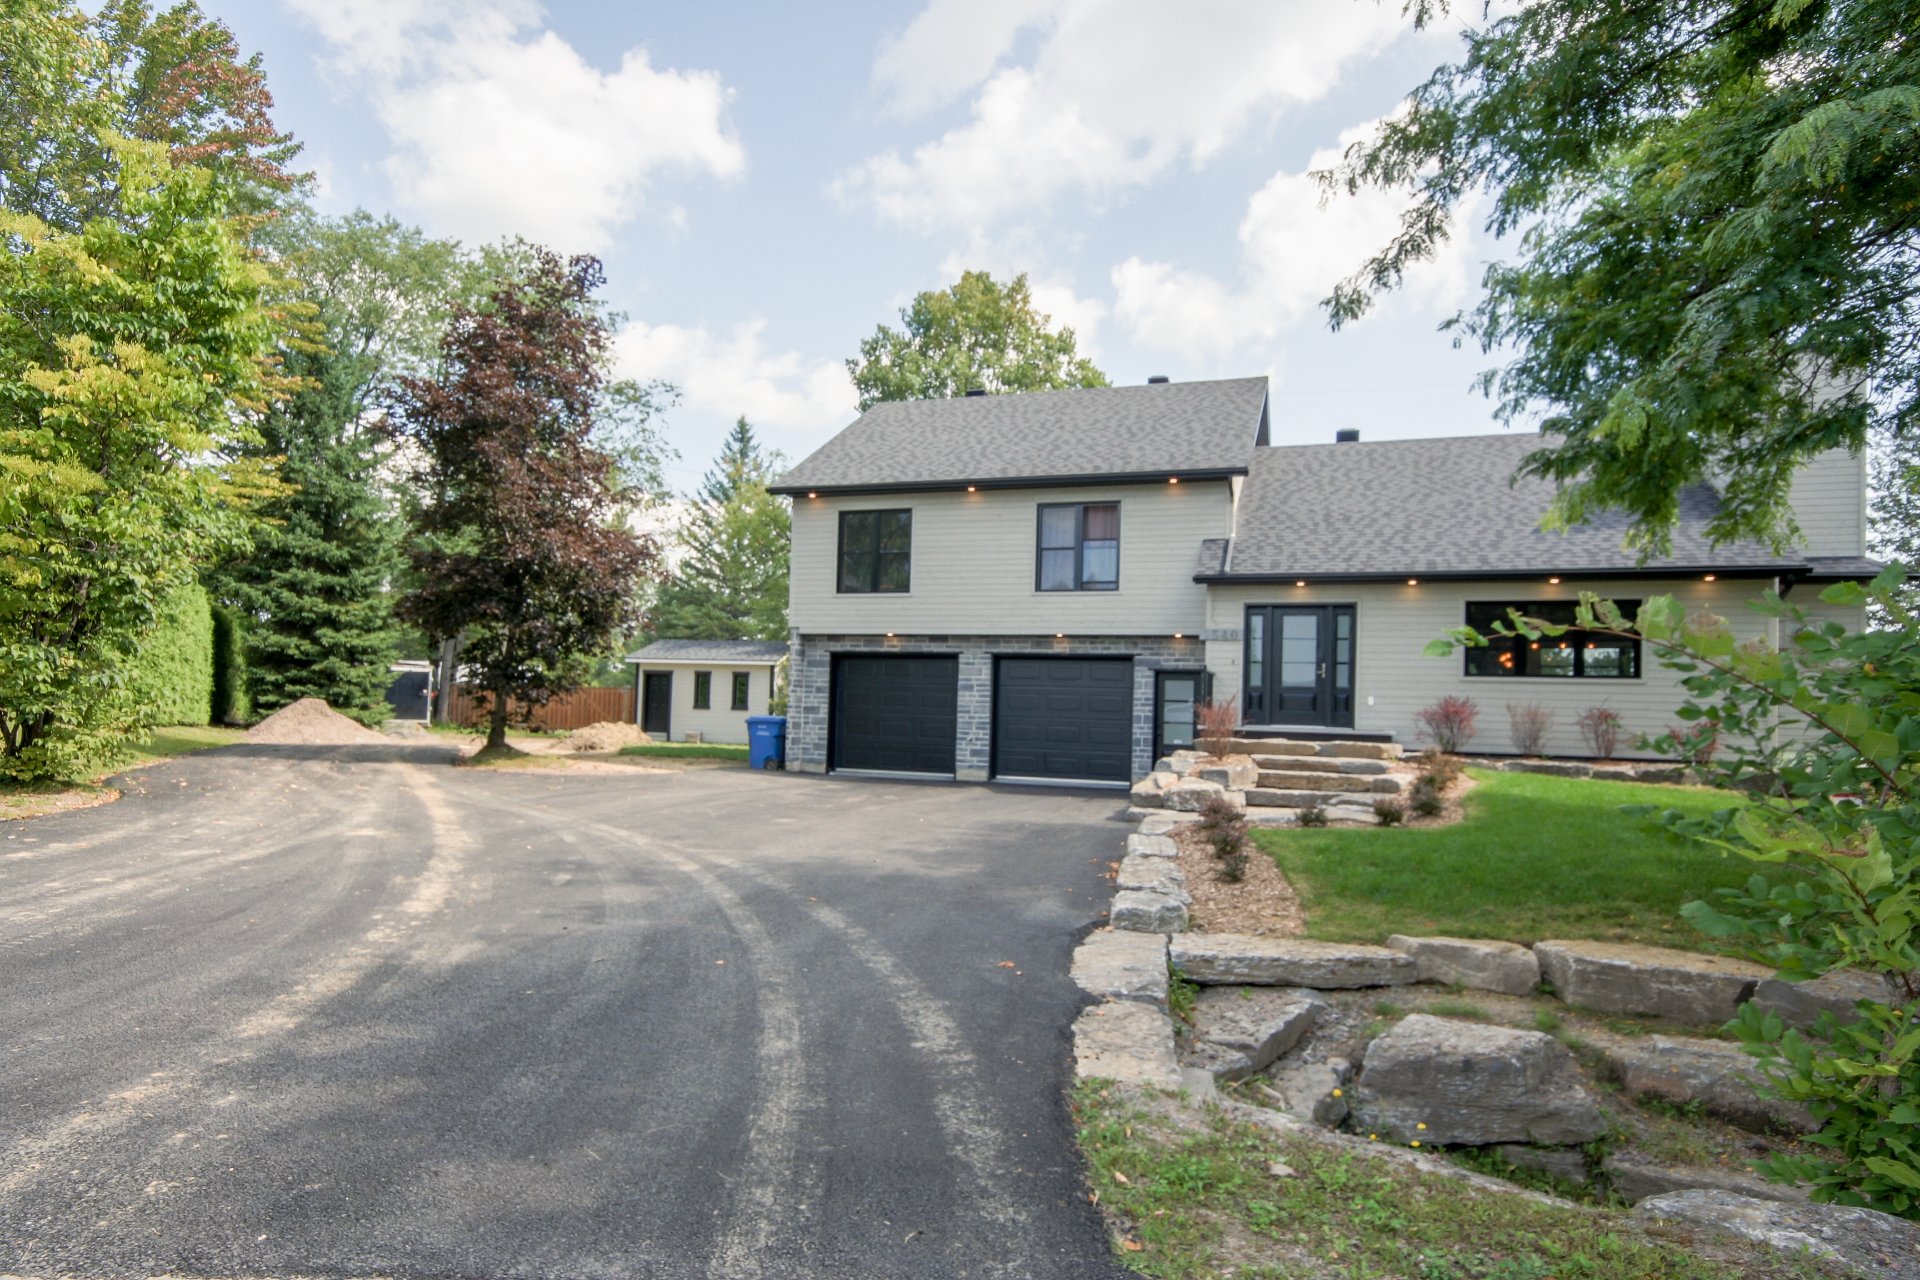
column 731, row 582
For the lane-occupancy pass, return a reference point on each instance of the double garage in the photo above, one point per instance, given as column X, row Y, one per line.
column 1054, row 718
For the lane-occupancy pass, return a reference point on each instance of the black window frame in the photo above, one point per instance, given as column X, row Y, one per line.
column 873, row 584
column 1040, row 548
column 703, row 691
column 742, row 690
column 1481, row 614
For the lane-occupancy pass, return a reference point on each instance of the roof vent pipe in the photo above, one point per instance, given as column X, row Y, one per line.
column 1347, row 435
column 976, row 391
column 1158, row 380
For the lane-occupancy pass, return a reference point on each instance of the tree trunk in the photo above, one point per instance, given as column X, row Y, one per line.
column 446, row 672
column 497, row 720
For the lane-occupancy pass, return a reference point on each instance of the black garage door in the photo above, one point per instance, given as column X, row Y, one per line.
column 895, row 713
column 1063, row 718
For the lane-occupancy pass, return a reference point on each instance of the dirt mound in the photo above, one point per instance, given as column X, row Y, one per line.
column 310, row 722
column 608, row 735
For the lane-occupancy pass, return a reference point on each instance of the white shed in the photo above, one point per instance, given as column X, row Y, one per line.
column 704, row 690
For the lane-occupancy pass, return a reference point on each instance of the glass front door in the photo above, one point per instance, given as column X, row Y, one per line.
column 1299, row 665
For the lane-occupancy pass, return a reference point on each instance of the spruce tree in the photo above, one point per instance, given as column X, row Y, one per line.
column 731, row 581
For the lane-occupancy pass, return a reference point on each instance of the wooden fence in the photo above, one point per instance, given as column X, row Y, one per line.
column 570, row 711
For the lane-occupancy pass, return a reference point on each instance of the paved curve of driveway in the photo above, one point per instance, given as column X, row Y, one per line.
column 353, row 1012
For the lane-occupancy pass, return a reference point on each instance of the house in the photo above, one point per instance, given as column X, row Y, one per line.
column 1045, row 585
column 703, row 690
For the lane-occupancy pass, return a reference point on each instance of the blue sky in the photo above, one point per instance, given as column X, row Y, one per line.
column 767, row 182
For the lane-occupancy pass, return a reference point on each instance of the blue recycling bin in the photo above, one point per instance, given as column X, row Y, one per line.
column 767, row 742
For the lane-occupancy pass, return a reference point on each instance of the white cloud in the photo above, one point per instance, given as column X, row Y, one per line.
column 1118, row 92
column 734, row 373
column 1294, row 247
column 950, row 47
column 500, row 127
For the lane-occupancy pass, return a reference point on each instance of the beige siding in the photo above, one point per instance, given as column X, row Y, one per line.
column 1394, row 679
column 718, row 723
column 974, row 556
column 1829, row 500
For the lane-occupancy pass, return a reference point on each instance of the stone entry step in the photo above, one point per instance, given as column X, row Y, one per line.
column 1380, row 785
column 1318, row 764
column 1335, row 748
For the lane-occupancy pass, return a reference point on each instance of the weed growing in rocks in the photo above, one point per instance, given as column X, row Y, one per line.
column 1312, row 816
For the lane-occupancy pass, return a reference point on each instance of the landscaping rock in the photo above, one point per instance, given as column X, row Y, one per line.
column 1472, row 1085
column 1180, row 763
column 1253, row 1026
column 1505, row 967
column 1635, row 1178
column 1569, row 1164
column 1362, row 750
column 1550, row 768
column 1713, row 1073
column 1125, row 1040
column 1158, row 824
column 1119, row 964
column 1146, row 912
column 1870, row 1243
column 1150, row 792
column 1153, row 875
column 1152, row 847
column 1188, row 794
column 1615, row 977
column 1800, row 1004
column 1663, row 773
column 1233, row 771
column 1221, row 959
column 1293, row 780
column 1312, row 1092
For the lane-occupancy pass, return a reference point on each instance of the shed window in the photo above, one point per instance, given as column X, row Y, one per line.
column 740, row 690
column 1575, row 654
column 702, row 690
column 876, row 551
column 1079, row 547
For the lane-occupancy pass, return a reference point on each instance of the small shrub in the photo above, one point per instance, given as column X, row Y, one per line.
column 1390, row 812
column 1529, row 723
column 1217, row 811
column 1425, row 798
column 1233, row 865
column 1216, row 721
column 1449, row 722
column 1224, row 827
column 1442, row 770
column 1311, row 816
column 1697, row 744
column 1601, row 727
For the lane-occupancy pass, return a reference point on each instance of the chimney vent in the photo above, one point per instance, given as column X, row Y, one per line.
column 976, row 391
column 1347, row 435
column 1158, row 380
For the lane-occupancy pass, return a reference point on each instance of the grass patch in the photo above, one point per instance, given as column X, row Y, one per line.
column 1204, row 1202
column 180, row 740
column 31, row 799
column 1534, row 857
column 687, row 751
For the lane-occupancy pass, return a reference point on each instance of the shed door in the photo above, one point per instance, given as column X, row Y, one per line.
column 1067, row 718
column 895, row 713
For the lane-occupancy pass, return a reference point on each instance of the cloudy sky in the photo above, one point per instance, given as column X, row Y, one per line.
column 767, row 182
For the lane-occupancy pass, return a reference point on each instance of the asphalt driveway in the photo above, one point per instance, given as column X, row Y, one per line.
column 287, row 1011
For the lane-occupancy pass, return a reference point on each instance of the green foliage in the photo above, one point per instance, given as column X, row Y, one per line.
column 229, row 704
column 731, row 582
column 1825, row 731
column 978, row 333
column 1715, row 203
column 1894, row 517
column 172, row 672
column 131, row 356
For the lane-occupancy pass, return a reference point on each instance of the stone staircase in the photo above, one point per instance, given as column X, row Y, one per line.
column 1339, row 775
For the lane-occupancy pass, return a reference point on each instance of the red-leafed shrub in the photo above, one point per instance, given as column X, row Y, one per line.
column 1601, row 727
column 1529, row 722
column 1449, row 722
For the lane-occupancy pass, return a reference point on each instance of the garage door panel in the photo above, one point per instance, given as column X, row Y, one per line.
column 895, row 713
column 1068, row 718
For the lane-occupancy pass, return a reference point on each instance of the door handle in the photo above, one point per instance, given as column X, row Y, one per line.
column 1323, row 671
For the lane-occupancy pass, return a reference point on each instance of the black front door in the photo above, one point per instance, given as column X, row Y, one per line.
column 1299, row 665
column 656, row 704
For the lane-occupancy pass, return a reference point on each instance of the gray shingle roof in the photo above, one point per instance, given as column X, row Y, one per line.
column 719, row 652
column 1176, row 428
column 1437, row 507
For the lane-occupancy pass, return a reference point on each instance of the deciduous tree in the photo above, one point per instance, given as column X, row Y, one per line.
column 521, row 547
column 978, row 333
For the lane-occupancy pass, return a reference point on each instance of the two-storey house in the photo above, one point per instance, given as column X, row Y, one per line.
column 1044, row 586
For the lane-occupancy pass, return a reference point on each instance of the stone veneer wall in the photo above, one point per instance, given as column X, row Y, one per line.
column 810, row 675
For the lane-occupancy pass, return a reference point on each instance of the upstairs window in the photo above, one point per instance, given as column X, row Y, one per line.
column 876, row 551
column 702, row 690
column 740, row 690
column 1079, row 547
column 1575, row 654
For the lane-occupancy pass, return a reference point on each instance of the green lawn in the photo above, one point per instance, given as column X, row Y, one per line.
column 687, row 751
column 1535, row 857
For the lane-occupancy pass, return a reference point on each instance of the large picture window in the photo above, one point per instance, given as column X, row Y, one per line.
column 1575, row 654
column 876, row 550
column 1079, row 547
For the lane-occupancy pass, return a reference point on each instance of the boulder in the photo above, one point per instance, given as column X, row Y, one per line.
column 1294, row 780
column 1153, row 875
column 1225, row 959
column 1569, row 1164
column 1550, row 768
column 1181, row 763
column 1800, row 1004
column 1472, row 1085
column 1158, row 824
column 1505, row 967
column 1635, row 1178
column 1361, row 750
column 1867, row 1242
column 1228, row 771
column 1146, row 912
column 1125, row 1040
column 1118, row 964
column 1313, row 1092
column 1251, row 1028
column 1716, row 1074
column 1616, row 977
column 1150, row 792
column 1152, row 847
column 1188, row 794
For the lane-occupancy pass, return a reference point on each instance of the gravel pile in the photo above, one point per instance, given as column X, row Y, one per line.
column 608, row 735
column 310, row 722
